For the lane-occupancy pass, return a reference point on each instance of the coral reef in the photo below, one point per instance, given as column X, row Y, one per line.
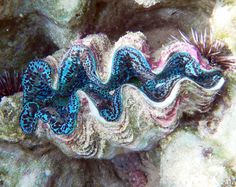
column 25, row 170
column 39, row 28
column 10, row 109
column 130, row 168
column 39, row 167
column 194, row 147
column 224, row 26
column 200, row 166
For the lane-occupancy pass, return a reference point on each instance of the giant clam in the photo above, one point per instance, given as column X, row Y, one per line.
column 101, row 101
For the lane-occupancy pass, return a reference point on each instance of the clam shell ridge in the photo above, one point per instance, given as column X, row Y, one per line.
column 143, row 121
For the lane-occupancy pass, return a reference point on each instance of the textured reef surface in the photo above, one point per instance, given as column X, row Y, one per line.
column 133, row 135
column 80, row 99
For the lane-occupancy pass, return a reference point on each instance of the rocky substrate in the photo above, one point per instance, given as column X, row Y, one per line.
column 200, row 152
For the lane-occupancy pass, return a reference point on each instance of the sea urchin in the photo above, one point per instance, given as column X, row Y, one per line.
column 10, row 82
column 215, row 51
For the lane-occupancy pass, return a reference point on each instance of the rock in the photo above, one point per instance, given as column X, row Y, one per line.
column 45, row 166
column 130, row 168
column 18, row 168
column 21, row 42
column 148, row 3
column 62, row 12
column 223, row 138
column 182, row 15
column 207, row 156
column 202, row 155
column 223, row 27
column 10, row 108
column 59, row 11
column 189, row 161
column 55, row 23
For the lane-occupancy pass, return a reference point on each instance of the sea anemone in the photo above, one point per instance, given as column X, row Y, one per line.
column 215, row 51
column 10, row 82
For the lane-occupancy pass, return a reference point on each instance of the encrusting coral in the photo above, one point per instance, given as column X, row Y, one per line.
column 128, row 106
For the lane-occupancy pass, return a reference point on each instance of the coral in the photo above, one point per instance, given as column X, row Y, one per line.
column 194, row 163
column 107, row 104
column 137, row 178
column 223, row 137
column 25, row 170
column 211, row 148
column 223, row 26
column 129, row 167
column 10, row 109
column 38, row 166
column 147, row 3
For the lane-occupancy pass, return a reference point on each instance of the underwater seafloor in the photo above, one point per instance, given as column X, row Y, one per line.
column 194, row 147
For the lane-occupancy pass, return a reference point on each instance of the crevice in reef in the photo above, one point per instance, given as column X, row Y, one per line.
column 45, row 36
column 22, row 40
column 115, row 20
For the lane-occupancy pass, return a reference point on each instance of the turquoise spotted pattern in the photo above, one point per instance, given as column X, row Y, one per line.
column 59, row 107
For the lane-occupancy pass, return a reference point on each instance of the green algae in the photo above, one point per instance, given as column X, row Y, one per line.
column 10, row 109
column 25, row 170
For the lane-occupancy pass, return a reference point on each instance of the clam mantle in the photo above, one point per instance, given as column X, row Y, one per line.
column 103, row 100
